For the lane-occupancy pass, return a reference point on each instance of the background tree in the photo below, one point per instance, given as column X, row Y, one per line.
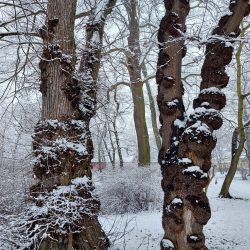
column 239, row 137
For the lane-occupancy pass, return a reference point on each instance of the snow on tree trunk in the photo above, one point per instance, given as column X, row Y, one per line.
column 185, row 156
column 65, row 210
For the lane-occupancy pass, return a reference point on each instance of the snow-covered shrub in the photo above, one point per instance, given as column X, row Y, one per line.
column 129, row 189
column 14, row 181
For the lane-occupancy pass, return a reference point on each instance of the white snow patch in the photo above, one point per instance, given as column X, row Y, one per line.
column 195, row 169
column 167, row 243
column 81, row 181
column 184, row 160
column 179, row 123
column 212, row 90
column 199, row 127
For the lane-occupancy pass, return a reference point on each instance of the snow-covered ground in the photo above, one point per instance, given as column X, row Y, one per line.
column 229, row 227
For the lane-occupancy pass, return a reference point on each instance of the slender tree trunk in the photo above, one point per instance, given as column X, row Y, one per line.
column 185, row 156
column 65, row 211
column 111, row 159
column 117, row 139
column 247, row 132
column 237, row 147
column 152, row 109
column 133, row 65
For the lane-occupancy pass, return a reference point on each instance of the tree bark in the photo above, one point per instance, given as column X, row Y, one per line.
column 117, row 139
column 185, row 156
column 170, row 103
column 239, row 137
column 65, row 210
column 152, row 109
column 247, row 132
column 133, row 65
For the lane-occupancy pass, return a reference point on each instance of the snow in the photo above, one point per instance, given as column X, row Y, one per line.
column 195, row 169
column 176, row 201
column 199, row 127
column 179, row 123
column 212, row 90
column 226, row 230
column 193, row 237
column 173, row 103
column 204, row 111
column 173, row 204
column 184, row 160
column 63, row 144
column 167, row 243
column 81, row 181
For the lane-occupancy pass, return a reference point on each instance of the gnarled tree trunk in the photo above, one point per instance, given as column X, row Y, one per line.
column 65, row 213
column 185, row 156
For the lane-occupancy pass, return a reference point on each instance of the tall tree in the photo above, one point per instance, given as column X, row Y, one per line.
column 133, row 64
column 185, row 156
column 239, row 137
column 65, row 213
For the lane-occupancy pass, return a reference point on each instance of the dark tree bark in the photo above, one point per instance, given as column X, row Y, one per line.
column 185, row 156
column 65, row 213
column 134, row 69
column 172, row 116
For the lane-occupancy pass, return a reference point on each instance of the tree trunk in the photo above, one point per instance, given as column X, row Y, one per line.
column 117, row 139
column 237, row 145
column 247, row 132
column 65, row 213
column 133, row 65
column 170, row 103
column 152, row 109
column 185, row 156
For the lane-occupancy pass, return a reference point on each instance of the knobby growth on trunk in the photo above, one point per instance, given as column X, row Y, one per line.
column 65, row 210
column 185, row 156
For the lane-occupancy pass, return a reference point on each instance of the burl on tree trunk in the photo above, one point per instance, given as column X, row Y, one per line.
column 185, row 156
column 65, row 210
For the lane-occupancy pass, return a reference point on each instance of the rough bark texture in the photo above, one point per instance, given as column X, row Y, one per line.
column 170, row 103
column 134, row 69
column 185, row 156
column 65, row 213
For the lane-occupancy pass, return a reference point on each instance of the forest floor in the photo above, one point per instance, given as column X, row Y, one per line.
column 229, row 227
